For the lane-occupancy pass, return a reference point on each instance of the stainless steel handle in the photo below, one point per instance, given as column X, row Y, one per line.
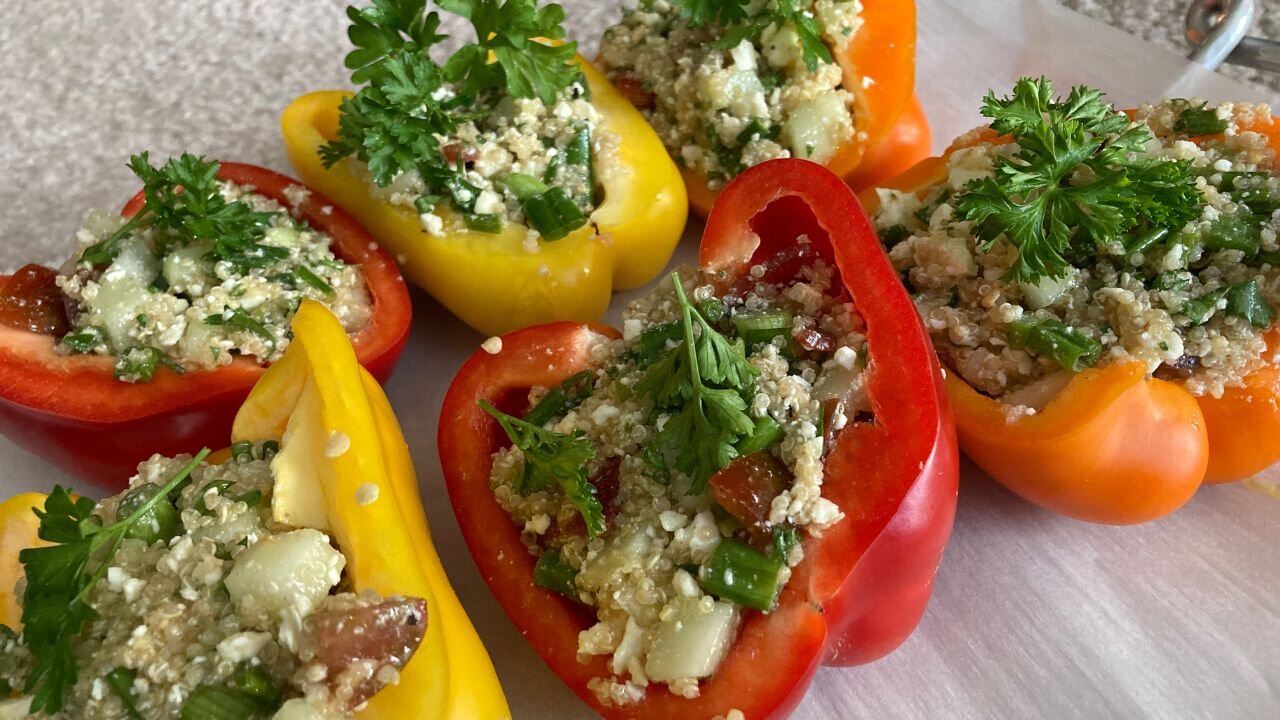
column 1218, row 32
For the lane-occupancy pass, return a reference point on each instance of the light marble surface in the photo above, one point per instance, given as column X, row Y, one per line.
column 1033, row 616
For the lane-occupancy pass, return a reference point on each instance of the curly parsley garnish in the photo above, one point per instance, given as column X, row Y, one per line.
column 1076, row 181
column 740, row 20
column 554, row 459
column 701, row 382
column 393, row 124
column 61, row 576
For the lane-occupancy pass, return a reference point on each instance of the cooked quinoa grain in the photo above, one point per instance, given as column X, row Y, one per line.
column 647, row 574
column 1191, row 304
column 226, row 594
column 720, row 110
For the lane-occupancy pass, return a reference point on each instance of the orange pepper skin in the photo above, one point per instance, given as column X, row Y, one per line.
column 883, row 51
column 907, row 143
column 1114, row 446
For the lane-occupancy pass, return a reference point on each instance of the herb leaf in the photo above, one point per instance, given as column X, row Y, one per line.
column 740, row 22
column 510, row 30
column 55, row 604
column 701, row 380
column 552, row 458
column 1075, row 180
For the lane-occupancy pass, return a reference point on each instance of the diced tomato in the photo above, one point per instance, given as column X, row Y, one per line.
column 813, row 339
column 746, row 487
column 30, row 300
column 634, row 92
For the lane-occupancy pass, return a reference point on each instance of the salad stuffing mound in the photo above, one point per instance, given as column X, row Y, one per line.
column 730, row 85
column 205, row 271
column 183, row 597
column 1082, row 237
column 503, row 133
column 671, row 489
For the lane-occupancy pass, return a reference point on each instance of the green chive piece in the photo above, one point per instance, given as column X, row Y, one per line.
column 242, row 451
column 1246, row 301
column 1067, row 347
column 308, row 276
column 485, row 223
column 762, row 326
column 553, row 573
column 562, row 398
column 553, row 213
column 742, row 575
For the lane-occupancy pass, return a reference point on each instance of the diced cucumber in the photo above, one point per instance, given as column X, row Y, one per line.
column 1046, row 290
column 691, row 643
column 293, row 570
column 135, row 260
column 119, row 301
column 281, row 236
column 296, row 709
column 184, row 267
column 620, row 554
column 814, row 129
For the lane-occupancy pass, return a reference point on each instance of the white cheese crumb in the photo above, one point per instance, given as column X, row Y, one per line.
column 243, row 646
column 845, row 357
column 366, row 494
column 338, row 444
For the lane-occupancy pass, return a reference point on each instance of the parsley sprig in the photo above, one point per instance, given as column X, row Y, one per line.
column 60, row 578
column 408, row 101
column 1076, row 181
column 701, row 382
column 554, row 459
column 739, row 21
column 184, row 204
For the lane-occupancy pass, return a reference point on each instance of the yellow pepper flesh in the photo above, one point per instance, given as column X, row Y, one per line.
column 344, row 450
column 491, row 281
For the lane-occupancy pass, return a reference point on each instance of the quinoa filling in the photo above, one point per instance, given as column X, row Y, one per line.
column 474, row 145
column 210, row 606
column 673, row 491
column 224, row 281
column 726, row 92
column 1176, row 268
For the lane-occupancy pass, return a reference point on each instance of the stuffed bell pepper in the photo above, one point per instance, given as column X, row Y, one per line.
column 293, row 578
column 755, row 477
column 152, row 334
column 729, row 85
column 1103, row 287
column 513, row 183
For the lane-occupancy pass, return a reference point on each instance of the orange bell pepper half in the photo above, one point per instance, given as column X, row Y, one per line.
column 1115, row 445
column 879, row 68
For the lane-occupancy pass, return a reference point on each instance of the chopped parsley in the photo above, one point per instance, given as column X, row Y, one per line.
column 60, row 578
column 741, row 20
column 1076, row 181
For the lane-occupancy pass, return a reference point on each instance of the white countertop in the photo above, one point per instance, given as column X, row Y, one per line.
column 1033, row 616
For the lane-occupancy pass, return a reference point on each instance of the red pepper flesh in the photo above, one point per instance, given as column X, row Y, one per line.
column 864, row 583
column 71, row 411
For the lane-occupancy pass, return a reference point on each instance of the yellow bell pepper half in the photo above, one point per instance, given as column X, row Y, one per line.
column 343, row 468
column 490, row 280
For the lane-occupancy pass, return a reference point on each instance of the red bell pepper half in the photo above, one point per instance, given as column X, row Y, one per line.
column 863, row 584
column 70, row 410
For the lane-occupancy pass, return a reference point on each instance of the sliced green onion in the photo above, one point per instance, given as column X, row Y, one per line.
column 1246, row 301
column 785, row 538
column 269, row 449
column 525, row 186
column 767, row 433
column 306, row 275
column 160, row 522
column 553, row 573
column 562, row 398
column 712, row 310
column 1145, row 241
column 84, row 341
column 1234, row 232
column 243, row 321
column 485, row 223
column 242, row 451
column 742, row 575
column 1199, row 310
column 120, row 680
column 1200, row 121
column 553, row 213
column 762, row 326
column 254, row 682
column 1068, row 348
column 212, row 702
column 426, row 204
